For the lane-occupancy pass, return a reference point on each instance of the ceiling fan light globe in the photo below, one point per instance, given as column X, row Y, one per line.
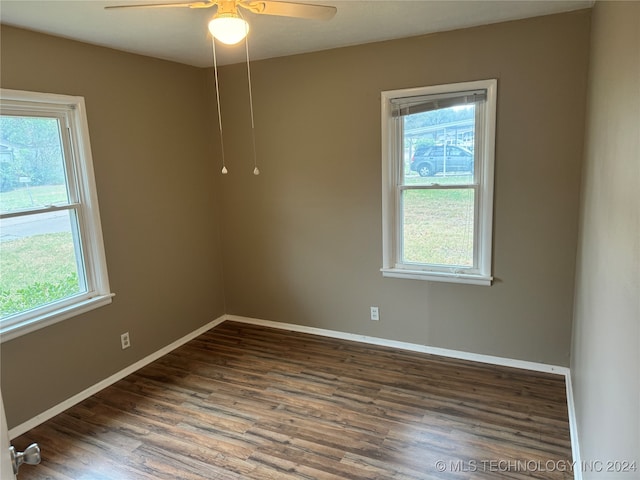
column 228, row 28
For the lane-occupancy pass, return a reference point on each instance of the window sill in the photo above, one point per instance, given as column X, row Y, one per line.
column 466, row 278
column 11, row 331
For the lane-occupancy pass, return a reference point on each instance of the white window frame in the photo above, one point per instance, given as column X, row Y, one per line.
column 392, row 160
column 71, row 112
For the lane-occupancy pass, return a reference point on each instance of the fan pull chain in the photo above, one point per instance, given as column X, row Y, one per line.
column 215, row 70
column 256, row 171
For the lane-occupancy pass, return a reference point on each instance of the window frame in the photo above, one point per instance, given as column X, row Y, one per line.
column 83, row 201
column 392, row 170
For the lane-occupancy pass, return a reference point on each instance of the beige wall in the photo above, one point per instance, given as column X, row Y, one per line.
column 302, row 242
column 154, row 166
column 605, row 359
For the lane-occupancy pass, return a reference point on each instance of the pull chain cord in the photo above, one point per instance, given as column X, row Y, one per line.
column 256, row 171
column 215, row 70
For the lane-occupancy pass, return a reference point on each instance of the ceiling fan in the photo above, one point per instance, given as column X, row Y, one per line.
column 228, row 18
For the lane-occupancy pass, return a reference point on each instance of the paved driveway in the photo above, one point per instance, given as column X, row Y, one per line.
column 20, row 227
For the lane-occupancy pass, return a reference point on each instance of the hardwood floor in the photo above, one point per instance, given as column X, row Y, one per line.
column 248, row 402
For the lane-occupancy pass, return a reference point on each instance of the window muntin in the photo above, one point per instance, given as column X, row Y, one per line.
column 438, row 145
column 51, row 250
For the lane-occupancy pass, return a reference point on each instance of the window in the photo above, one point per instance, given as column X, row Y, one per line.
column 51, row 250
column 437, row 182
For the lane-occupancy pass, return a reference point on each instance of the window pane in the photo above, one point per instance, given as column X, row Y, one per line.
column 32, row 172
column 38, row 261
column 439, row 146
column 437, row 226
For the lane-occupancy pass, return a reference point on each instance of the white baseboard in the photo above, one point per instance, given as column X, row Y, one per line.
column 83, row 395
column 573, row 429
column 414, row 347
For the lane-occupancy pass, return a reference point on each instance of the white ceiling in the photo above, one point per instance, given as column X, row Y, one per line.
column 180, row 34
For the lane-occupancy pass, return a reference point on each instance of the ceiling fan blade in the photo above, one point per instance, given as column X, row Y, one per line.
column 288, row 9
column 202, row 4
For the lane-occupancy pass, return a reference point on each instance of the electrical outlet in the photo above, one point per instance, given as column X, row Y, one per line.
column 124, row 340
column 375, row 313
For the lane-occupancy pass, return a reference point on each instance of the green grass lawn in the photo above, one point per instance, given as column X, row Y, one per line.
column 438, row 226
column 39, row 269
column 36, row 270
column 30, row 197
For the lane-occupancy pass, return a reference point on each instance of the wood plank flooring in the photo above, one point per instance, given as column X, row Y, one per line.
column 249, row 402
